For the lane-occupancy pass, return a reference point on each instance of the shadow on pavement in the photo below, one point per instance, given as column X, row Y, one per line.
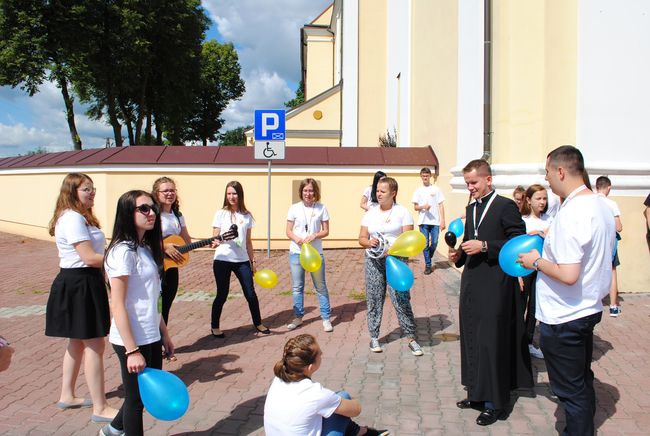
column 245, row 418
column 432, row 324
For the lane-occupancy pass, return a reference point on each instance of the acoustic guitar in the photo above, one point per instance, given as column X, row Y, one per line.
column 168, row 262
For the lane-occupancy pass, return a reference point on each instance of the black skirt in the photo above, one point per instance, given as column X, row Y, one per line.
column 78, row 305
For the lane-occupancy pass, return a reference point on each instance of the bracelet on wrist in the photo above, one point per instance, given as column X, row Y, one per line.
column 135, row 350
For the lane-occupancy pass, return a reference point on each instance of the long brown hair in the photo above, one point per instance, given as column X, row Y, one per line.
column 525, row 207
column 298, row 354
column 68, row 199
column 240, row 198
column 154, row 193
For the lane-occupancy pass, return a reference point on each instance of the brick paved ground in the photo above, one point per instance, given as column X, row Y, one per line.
column 228, row 378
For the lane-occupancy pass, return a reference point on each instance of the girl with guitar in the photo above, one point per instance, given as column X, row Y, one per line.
column 173, row 223
column 234, row 255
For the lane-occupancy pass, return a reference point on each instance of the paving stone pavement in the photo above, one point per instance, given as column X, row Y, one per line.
column 228, row 378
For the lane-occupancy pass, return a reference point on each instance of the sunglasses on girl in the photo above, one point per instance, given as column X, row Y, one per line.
column 145, row 209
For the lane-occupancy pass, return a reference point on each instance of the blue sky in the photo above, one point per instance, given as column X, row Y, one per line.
column 266, row 34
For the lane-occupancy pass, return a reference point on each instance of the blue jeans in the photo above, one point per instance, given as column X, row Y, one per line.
column 430, row 232
column 337, row 425
column 298, row 287
column 568, row 349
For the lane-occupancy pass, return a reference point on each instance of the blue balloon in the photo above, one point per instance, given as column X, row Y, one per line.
column 457, row 227
column 163, row 394
column 511, row 250
column 398, row 274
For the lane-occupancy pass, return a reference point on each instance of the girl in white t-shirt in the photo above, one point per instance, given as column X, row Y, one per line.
column 173, row 223
column 369, row 197
column 138, row 333
column 234, row 256
column 298, row 406
column 533, row 211
column 382, row 225
column 308, row 222
column 77, row 307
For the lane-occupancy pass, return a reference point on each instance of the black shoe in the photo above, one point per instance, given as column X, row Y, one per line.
column 428, row 270
column 467, row 404
column 217, row 333
column 262, row 329
column 490, row 416
column 374, row 432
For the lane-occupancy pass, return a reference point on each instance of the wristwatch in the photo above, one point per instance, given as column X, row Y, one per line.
column 483, row 246
column 536, row 264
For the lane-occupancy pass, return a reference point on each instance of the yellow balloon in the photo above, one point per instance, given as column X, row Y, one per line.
column 266, row 278
column 410, row 243
column 310, row 258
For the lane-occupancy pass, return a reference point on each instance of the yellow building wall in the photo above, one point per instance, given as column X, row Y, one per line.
column 299, row 141
column 330, row 111
column 201, row 195
column 372, row 71
column 320, row 61
column 325, row 17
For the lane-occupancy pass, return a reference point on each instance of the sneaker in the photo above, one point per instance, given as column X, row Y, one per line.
column 614, row 311
column 295, row 323
column 109, row 430
column 327, row 326
column 427, row 270
column 415, row 348
column 535, row 352
column 374, row 345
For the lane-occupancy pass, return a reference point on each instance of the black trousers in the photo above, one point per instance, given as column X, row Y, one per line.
column 244, row 274
column 568, row 349
column 169, row 289
column 129, row 417
column 529, row 298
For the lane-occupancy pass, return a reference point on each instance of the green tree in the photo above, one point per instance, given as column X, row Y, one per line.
column 35, row 46
column 220, row 83
column 234, row 136
column 299, row 98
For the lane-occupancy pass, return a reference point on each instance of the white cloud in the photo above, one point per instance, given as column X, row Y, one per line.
column 267, row 37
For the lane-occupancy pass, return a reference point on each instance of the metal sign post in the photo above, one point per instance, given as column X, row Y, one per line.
column 270, row 134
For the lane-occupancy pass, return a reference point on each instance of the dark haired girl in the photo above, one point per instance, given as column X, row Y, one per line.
column 138, row 333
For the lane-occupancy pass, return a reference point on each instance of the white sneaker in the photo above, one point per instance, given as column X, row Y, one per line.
column 535, row 352
column 295, row 323
column 415, row 348
column 374, row 345
column 327, row 326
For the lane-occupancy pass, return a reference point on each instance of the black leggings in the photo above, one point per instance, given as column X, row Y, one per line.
column 129, row 417
column 169, row 289
column 244, row 274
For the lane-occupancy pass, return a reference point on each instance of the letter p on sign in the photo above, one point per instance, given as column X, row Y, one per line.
column 270, row 121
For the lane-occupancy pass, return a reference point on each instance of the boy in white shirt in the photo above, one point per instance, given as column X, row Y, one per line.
column 603, row 187
column 427, row 201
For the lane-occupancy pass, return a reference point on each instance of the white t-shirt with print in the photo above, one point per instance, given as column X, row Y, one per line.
column 142, row 292
column 533, row 223
column 311, row 217
column 582, row 233
column 72, row 228
column 432, row 196
column 171, row 224
column 298, row 408
column 235, row 249
column 388, row 223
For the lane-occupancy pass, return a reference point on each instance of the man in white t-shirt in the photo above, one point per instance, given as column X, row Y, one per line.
column 427, row 201
column 574, row 274
column 603, row 187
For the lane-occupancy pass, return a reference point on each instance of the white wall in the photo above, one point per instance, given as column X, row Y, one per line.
column 350, row 73
column 398, row 91
column 613, row 92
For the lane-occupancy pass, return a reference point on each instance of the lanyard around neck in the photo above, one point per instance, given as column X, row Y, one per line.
column 573, row 194
column 487, row 206
column 311, row 217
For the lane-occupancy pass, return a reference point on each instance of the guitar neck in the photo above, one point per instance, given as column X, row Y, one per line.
column 197, row 244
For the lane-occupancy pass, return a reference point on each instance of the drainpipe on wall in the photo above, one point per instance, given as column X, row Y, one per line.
column 487, row 80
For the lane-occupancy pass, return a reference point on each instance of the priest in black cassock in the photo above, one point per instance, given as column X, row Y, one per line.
column 493, row 348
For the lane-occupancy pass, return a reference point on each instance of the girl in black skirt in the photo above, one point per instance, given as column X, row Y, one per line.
column 77, row 307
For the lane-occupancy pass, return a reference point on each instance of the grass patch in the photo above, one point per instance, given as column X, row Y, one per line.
column 290, row 292
column 39, row 292
column 357, row 295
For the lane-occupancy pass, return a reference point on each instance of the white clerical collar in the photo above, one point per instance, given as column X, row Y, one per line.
column 484, row 198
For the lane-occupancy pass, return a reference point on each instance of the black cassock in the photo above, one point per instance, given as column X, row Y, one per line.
column 493, row 347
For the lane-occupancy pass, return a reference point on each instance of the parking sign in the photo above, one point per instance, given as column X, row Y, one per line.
column 270, row 125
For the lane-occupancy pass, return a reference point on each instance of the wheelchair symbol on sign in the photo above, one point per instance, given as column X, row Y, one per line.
column 268, row 151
